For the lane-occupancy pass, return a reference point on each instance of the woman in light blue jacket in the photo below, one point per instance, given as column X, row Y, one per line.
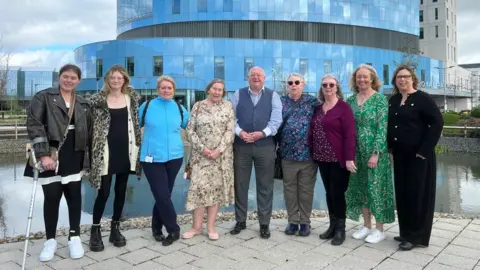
column 161, row 154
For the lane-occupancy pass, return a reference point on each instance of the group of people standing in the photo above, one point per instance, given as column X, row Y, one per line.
column 349, row 141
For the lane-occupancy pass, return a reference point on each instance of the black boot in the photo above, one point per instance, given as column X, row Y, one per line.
column 116, row 238
column 328, row 234
column 96, row 243
column 339, row 235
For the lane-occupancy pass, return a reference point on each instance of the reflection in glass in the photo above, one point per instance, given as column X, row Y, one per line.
column 175, row 6
column 129, row 63
column 157, row 65
column 228, row 5
column 303, row 67
column 327, row 66
column 365, row 11
column 382, row 14
column 248, row 64
column 202, row 6
column 188, row 66
column 346, row 9
column 99, row 68
column 386, row 77
column 131, row 10
column 219, row 68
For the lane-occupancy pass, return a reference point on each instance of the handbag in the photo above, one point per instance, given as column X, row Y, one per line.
column 278, row 171
column 54, row 151
column 188, row 167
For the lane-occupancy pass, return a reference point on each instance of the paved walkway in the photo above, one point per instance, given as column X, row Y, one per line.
column 455, row 244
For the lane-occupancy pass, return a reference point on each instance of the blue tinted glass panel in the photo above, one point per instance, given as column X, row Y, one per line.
column 228, row 5
column 248, row 64
column 176, row 6
column 327, row 66
column 202, row 6
column 219, row 67
column 188, row 66
column 131, row 10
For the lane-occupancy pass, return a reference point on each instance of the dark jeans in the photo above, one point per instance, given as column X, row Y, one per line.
column 335, row 180
column 53, row 194
column 161, row 177
column 103, row 194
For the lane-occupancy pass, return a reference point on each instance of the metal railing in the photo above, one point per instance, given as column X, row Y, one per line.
column 14, row 130
column 463, row 130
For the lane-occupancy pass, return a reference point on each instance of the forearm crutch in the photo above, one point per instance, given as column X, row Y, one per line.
column 32, row 202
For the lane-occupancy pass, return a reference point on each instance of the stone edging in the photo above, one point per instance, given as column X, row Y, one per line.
column 144, row 222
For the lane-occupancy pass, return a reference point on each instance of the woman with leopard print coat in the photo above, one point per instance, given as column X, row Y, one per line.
column 115, row 149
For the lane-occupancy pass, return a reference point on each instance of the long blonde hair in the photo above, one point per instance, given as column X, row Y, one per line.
column 126, row 87
column 376, row 83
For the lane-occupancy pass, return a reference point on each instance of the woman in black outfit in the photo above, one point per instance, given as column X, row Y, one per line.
column 414, row 128
column 116, row 140
column 53, row 114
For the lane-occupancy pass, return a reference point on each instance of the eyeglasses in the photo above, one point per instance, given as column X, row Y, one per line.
column 406, row 77
column 328, row 85
column 294, row 82
column 116, row 78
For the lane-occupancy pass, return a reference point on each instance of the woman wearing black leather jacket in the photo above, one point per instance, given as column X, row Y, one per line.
column 58, row 125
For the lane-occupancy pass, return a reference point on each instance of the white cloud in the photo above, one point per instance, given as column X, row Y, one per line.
column 42, row 58
column 468, row 39
column 31, row 27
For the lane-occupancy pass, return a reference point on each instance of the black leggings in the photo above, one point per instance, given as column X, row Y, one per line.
column 103, row 193
column 53, row 194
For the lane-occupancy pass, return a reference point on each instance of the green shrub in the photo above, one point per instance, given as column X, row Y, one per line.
column 450, row 119
column 476, row 112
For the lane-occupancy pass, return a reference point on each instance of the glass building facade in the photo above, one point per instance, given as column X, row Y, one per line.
column 195, row 41
column 24, row 82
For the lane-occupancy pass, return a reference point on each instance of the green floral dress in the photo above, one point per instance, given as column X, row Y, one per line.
column 371, row 188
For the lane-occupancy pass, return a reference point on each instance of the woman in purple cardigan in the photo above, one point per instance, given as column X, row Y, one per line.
column 332, row 140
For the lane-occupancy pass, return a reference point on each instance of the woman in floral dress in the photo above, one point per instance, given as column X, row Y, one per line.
column 210, row 132
column 370, row 190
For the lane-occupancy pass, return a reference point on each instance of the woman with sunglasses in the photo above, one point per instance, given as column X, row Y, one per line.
column 332, row 137
column 299, row 170
column 370, row 191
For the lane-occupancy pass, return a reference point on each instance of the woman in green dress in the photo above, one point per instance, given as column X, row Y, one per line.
column 370, row 190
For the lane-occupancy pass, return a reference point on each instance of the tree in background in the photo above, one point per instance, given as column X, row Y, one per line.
column 410, row 54
column 4, row 68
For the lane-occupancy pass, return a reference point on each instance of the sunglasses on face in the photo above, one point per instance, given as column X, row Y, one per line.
column 328, row 85
column 293, row 82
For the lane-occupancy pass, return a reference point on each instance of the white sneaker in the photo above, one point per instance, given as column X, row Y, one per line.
column 361, row 233
column 375, row 236
column 48, row 251
column 75, row 247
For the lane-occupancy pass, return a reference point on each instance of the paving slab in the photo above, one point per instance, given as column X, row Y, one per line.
column 454, row 244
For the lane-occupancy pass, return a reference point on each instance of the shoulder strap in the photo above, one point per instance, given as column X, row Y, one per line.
column 70, row 115
column 142, row 123
column 180, row 109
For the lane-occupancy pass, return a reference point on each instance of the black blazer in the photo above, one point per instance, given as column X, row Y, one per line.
column 416, row 125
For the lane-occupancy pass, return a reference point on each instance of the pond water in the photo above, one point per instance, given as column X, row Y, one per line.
column 458, row 192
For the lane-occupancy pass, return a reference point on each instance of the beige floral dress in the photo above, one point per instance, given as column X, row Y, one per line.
column 212, row 127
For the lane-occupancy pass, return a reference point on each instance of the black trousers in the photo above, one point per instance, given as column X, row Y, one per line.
column 161, row 177
column 415, row 187
column 103, row 194
column 335, row 180
column 53, row 194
